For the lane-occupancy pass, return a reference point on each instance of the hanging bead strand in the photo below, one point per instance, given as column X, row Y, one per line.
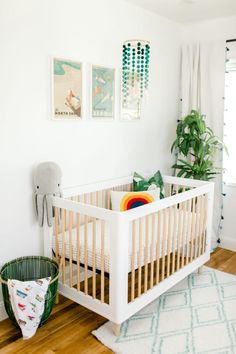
column 135, row 69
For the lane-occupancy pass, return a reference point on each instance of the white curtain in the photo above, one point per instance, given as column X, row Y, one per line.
column 202, row 88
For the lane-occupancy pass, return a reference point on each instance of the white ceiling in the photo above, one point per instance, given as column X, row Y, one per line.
column 189, row 10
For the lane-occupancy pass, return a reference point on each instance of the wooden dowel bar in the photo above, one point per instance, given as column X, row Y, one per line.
column 204, row 225
column 163, row 245
column 108, row 199
column 174, row 241
column 133, row 261
column 86, row 254
column 70, row 249
column 158, row 217
column 146, row 253
column 197, row 227
column 94, row 259
column 184, row 232
column 56, row 221
column 152, row 251
column 102, row 259
column 169, row 189
column 139, row 257
column 169, row 239
column 63, row 246
column 180, row 217
column 202, row 198
column 78, row 250
column 192, row 229
column 189, row 224
column 103, row 199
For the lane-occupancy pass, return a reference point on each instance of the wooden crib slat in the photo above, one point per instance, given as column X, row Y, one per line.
column 184, row 232
column 139, row 257
column 189, row 224
column 85, row 250
column 169, row 189
column 146, row 253
column 63, row 246
column 103, row 199
column 197, row 227
column 158, row 245
column 152, row 251
column 193, row 228
column 94, row 258
column 133, row 261
column 97, row 198
column 177, row 188
column 163, row 245
column 102, row 259
column 78, row 250
column 169, row 239
column 175, row 231
column 180, row 228
column 70, row 249
column 204, row 225
column 56, row 233
column 201, row 225
column 109, row 199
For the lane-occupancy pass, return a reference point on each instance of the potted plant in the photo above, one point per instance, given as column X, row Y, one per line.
column 198, row 145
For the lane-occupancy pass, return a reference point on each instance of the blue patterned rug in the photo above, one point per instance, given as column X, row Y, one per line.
column 197, row 316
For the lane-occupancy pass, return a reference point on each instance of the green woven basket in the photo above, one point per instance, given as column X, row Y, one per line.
column 26, row 269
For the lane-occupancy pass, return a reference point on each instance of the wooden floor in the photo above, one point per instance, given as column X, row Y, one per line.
column 68, row 329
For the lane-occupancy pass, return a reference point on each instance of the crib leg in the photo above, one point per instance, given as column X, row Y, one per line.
column 200, row 270
column 116, row 329
column 57, row 299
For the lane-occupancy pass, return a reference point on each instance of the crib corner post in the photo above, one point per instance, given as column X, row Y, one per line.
column 119, row 268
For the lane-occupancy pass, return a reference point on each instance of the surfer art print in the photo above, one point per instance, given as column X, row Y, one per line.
column 67, row 89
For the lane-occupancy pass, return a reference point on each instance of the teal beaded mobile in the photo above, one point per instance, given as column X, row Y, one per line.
column 135, row 68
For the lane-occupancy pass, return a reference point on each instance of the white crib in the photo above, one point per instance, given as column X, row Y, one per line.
column 115, row 263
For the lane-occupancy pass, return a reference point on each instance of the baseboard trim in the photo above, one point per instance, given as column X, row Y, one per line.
column 228, row 243
column 3, row 314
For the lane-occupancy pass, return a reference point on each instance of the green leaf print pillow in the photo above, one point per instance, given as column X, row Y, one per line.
column 142, row 184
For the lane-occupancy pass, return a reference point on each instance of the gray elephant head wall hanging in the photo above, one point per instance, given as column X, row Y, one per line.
column 47, row 183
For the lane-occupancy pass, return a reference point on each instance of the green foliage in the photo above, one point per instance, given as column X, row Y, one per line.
column 198, row 144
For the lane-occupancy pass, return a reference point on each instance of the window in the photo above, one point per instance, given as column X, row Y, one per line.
column 230, row 114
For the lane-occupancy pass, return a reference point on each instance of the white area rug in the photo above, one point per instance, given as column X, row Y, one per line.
column 196, row 316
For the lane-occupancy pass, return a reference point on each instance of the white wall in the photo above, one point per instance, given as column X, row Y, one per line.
column 218, row 30
column 31, row 31
column 224, row 28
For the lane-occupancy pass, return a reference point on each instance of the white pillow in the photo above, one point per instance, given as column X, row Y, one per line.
column 122, row 201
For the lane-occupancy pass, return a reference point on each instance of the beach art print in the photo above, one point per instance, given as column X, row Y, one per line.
column 103, row 92
column 67, row 89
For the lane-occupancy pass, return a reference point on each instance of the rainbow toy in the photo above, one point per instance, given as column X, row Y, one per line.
column 131, row 200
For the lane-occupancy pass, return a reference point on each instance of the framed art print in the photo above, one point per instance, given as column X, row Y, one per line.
column 131, row 102
column 67, row 89
column 102, row 92
column 131, row 109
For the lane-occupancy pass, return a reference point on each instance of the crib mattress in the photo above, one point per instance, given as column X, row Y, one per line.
column 148, row 251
